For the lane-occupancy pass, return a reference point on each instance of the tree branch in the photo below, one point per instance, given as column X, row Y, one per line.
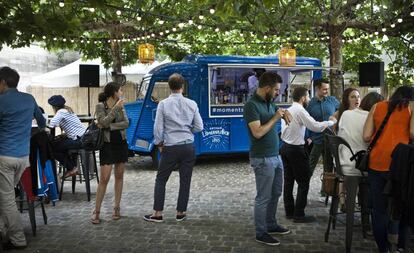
column 346, row 8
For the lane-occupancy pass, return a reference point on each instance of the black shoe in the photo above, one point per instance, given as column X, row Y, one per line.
column 151, row 218
column 279, row 231
column 10, row 246
column 268, row 240
column 180, row 217
column 304, row 219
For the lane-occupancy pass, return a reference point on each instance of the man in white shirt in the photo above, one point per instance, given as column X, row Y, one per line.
column 295, row 159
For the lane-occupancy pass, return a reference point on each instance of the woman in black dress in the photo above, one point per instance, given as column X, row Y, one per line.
column 112, row 118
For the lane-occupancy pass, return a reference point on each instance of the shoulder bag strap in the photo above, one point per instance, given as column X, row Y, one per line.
column 378, row 133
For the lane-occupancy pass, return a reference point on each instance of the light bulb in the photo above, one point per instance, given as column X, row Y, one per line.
column 199, row 27
column 118, row 12
column 61, row 4
column 384, row 29
column 400, row 20
column 212, row 11
column 190, row 21
column 161, row 22
column 392, row 25
column 201, row 17
column 181, row 25
column 385, row 38
column 139, row 18
column 412, row 14
column 92, row 9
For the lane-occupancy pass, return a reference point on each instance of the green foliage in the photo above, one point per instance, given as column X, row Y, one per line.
column 245, row 27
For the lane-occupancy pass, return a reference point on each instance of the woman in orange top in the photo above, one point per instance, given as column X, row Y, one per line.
column 398, row 129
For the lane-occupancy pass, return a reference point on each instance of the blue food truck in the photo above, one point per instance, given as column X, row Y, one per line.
column 220, row 87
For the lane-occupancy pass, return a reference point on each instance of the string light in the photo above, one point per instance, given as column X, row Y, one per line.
column 92, row 9
column 400, row 20
column 212, row 11
column 392, row 25
column 160, row 22
column 412, row 14
column 61, row 4
column 385, row 38
column 201, row 17
column 384, row 29
column 167, row 31
column 181, row 25
column 139, row 18
column 118, row 12
column 217, row 29
column 19, row 33
column 190, row 22
column 199, row 27
column 174, row 29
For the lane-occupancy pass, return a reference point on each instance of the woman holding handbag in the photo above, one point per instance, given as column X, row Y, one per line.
column 388, row 124
column 112, row 118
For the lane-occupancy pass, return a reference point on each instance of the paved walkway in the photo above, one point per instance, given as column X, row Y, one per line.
column 220, row 217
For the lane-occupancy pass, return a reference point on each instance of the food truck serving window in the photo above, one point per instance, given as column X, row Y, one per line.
column 230, row 88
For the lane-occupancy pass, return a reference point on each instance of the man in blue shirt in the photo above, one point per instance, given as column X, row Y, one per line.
column 321, row 107
column 17, row 110
column 176, row 121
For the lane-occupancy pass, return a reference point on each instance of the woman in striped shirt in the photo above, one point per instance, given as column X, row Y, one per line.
column 67, row 120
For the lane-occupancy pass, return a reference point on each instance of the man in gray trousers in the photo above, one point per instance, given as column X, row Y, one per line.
column 17, row 109
column 176, row 122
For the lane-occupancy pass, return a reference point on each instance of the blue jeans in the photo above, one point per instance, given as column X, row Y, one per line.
column 269, row 184
column 381, row 222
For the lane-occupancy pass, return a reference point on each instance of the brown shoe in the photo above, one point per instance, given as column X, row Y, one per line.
column 116, row 215
column 95, row 217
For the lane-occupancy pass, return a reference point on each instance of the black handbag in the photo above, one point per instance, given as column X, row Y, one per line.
column 92, row 139
column 362, row 157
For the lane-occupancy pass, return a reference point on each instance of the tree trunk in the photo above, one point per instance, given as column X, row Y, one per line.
column 335, row 53
column 116, row 57
column 116, row 62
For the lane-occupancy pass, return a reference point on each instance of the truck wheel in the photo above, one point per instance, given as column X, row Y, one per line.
column 155, row 156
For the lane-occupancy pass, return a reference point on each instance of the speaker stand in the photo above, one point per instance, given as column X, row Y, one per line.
column 89, row 102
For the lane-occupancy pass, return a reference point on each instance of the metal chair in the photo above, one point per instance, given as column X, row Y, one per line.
column 351, row 184
column 84, row 159
column 31, row 204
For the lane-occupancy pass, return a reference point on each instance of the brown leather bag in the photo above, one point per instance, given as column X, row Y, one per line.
column 329, row 179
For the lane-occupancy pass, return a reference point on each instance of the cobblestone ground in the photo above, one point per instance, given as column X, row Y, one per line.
column 220, row 217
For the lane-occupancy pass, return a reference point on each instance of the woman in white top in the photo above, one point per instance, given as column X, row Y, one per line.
column 350, row 128
column 67, row 120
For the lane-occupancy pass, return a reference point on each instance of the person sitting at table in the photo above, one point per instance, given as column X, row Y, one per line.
column 67, row 120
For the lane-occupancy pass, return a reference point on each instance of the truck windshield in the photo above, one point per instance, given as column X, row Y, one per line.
column 143, row 86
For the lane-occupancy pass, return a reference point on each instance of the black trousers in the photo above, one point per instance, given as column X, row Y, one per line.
column 296, row 168
column 184, row 155
column 60, row 152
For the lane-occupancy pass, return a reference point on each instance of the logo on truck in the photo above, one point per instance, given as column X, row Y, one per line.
column 216, row 134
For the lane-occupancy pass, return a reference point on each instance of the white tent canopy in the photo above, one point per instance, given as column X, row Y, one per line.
column 68, row 76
